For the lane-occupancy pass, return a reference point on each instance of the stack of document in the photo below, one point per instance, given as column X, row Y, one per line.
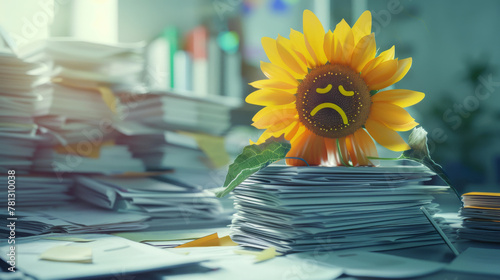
column 171, row 204
column 41, row 190
column 25, row 93
column 481, row 216
column 90, row 64
column 84, row 108
column 168, row 130
column 163, row 149
column 177, row 112
column 335, row 208
column 76, row 217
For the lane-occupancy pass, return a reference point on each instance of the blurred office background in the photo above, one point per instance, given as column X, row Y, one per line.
column 454, row 45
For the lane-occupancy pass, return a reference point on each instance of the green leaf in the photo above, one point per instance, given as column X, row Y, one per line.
column 252, row 159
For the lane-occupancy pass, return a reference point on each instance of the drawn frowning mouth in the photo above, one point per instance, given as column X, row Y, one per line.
column 331, row 106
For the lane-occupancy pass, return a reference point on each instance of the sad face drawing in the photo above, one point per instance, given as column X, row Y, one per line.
column 333, row 101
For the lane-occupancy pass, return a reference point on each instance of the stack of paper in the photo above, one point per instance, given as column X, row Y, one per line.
column 84, row 108
column 167, row 130
column 41, row 190
column 171, row 204
column 25, row 93
column 93, row 65
column 335, row 208
column 481, row 216
column 172, row 111
column 163, row 149
column 76, row 217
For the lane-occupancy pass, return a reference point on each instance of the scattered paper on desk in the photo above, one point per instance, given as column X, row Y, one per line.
column 477, row 261
column 369, row 264
column 209, row 240
column 69, row 238
column 260, row 256
column 68, row 254
column 158, row 235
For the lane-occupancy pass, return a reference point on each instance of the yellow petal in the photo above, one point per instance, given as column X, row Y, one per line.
column 328, row 46
column 386, row 136
column 362, row 27
column 291, row 130
column 270, row 97
column 276, row 119
column 275, row 72
column 289, row 57
column 300, row 131
column 300, row 148
column 403, row 67
column 400, row 97
column 268, row 112
column 299, row 44
column 384, row 56
column 357, row 157
column 314, row 34
column 283, row 125
column 344, row 37
column 366, row 142
column 271, row 50
column 381, row 73
column 343, row 152
column 389, row 114
column 402, row 127
column 272, row 83
column 363, row 52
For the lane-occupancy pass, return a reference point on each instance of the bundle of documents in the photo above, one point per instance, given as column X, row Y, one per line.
column 335, row 208
column 41, row 190
column 481, row 216
column 105, row 159
column 178, row 112
column 25, row 93
column 164, row 149
column 84, row 108
column 170, row 131
column 89, row 64
column 171, row 204
column 75, row 217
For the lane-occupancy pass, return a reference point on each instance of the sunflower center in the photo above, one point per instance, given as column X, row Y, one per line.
column 333, row 101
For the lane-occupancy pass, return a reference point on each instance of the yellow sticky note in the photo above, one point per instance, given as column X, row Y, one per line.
column 227, row 241
column 69, row 238
column 90, row 151
column 109, row 98
column 263, row 255
column 266, row 254
column 213, row 147
column 68, row 254
column 209, row 240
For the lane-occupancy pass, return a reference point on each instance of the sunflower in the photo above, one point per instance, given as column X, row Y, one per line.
column 320, row 94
